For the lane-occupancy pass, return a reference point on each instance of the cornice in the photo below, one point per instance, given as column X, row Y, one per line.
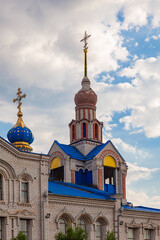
column 22, row 155
column 140, row 214
column 73, row 200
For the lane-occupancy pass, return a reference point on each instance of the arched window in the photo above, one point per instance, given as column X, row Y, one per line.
column 98, row 231
column 1, row 187
column 56, row 171
column 100, row 228
column 96, row 130
column 109, row 174
column 62, row 225
column 73, row 133
column 24, row 191
column 84, row 130
column 82, row 223
column 85, row 221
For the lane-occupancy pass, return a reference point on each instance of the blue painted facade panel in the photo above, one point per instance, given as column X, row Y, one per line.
column 111, row 189
column 83, row 178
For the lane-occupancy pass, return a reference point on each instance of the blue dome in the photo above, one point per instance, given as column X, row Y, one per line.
column 20, row 134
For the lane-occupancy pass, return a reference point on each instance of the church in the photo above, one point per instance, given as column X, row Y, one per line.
column 81, row 183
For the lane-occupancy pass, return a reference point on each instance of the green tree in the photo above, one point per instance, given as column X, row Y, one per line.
column 72, row 234
column 110, row 236
column 20, row 236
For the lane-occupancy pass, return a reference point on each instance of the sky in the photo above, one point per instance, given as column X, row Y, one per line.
column 41, row 52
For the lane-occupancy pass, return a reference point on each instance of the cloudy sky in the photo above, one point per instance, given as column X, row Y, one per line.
column 40, row 51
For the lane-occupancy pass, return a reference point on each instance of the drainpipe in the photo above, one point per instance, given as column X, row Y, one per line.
column 118, row 221
column 45, row 195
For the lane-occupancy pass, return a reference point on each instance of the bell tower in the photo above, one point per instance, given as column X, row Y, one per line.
column 85, row 127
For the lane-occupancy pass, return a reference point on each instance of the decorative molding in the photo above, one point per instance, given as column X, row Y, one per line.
column 102, row 218
column 7, row 170
column 26, row 175
column 24, row 212
column 63, row 213
column 56, row 154
column 111, row 153
column 24, row 204
column 83, row 214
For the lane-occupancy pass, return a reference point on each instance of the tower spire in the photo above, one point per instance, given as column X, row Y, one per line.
column 86, row 36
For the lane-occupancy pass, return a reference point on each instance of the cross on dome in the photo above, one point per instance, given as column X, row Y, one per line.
column 86, row 36
column 19, row 98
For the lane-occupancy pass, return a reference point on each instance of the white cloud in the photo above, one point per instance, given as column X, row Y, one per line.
column 146, row 110
column 136, row 172
column 137, row 153
column 142, row 199
column 125, row 146
column 41, row 53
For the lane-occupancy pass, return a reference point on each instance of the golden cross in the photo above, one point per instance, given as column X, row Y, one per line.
column 19, row 98
column 86, row 36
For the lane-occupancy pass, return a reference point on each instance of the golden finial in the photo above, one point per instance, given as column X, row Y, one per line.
column 19, row 98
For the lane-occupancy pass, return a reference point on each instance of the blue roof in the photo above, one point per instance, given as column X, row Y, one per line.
column 75, row 190
column 74, row 153
column 141, row 208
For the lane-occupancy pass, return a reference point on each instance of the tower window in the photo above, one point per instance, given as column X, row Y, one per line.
column 84, row 130
column 109, row 174
column 56, row 171
column 96, row 131
column 57, row 174
column 73, row 132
